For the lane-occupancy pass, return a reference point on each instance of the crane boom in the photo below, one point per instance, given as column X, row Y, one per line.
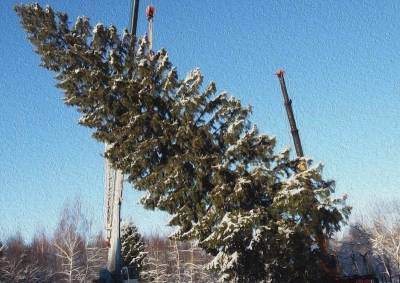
column 114, row 252
column 112, row 214
column 320, row 237
column 109, row 180
column 113, row 183
column 289, row 111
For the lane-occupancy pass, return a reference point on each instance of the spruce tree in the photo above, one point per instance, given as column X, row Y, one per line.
column 193, row 151
column 132, row 247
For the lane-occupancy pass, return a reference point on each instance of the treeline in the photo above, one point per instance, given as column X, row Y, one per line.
column 42, row 261
column 73, row 253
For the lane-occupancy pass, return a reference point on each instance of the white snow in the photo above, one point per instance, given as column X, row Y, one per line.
column 239, row 184
column 285, row 230
column 235, row 125
column 98, row 27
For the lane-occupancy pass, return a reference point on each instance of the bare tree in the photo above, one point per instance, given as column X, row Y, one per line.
column 69, row 243
column 195, row 266
column 156, row 267
column 42, row 252
column 384, row 229
column 168, row 260
column 69, row 250
column 174, row 257
column 80, row 256
column 3, row 261
column 15, row 265
column 74, row 254
column 373, row 244
column 355, row 253
column 96, row 256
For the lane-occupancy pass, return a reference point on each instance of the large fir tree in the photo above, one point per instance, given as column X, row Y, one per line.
column 193, row 151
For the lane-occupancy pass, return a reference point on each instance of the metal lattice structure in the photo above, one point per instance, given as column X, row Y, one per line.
column 114, row 179
column 113, row 184
column 109, row 193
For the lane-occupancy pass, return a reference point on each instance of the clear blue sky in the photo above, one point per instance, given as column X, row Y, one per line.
column 342, row 60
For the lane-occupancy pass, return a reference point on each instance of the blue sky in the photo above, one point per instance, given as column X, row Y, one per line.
column 342, row 62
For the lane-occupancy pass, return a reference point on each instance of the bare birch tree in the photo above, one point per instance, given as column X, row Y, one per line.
column 80, row 258
column 384, row 229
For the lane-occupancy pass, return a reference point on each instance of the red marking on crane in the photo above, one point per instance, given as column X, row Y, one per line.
column 150, row 12
column 280, row 73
